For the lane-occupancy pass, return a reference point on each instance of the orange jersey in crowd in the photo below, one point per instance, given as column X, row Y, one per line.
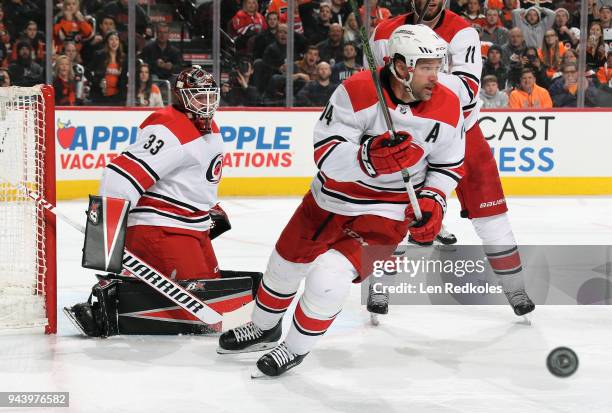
column 604, row 74
column 71, row 30
column 552, row 69
column 376, row 14
column 242, row 22
column 539, row 98
column 113, row 72
column 280, row 8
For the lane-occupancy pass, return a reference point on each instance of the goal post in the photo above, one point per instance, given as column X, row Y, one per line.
column 28, row 291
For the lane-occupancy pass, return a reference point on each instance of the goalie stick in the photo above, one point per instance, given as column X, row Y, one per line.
column 141, row 270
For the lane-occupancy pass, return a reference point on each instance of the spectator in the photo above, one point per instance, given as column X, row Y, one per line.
column 273, row 58
column 551, row 52
column 512, row 51
column 266, row 37
column 347, row 67
column 330, row 50
column 5, row 36
column 533, row 22
column 596, row 49
column 5, row 78
column 473, row 14
column 317, row 92
column 575, row 20
column 494, row 67
column 490, row 94
column 605, row 17
column 351, row 30
column 119, row 11
column 376, row 13
column 71, row 25
column 32, row 35
column 340, row 11
column 110, row 73
column 19, row 12
column 163, row 58
column 81, row 82
column 24, row 71
column 505, row 15
column 63, row 82
column 564, row 89
column 280, row 7
column 70, row 50
column 531, row 60
column 239, row 91
column 492, row 30
column 562, row 27
column 306, row 69
column 317, row 31
column 246, row 23
column 528, row 95
column 147, row 93
column 106, row 24
column 303, row 72
column 604, row 74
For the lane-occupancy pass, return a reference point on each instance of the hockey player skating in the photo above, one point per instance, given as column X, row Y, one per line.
column 480, row 192
column 170, row 176
column 358, row 198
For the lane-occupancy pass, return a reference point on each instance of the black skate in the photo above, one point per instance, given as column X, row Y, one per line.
column 520, row 302
column 378, row 303
column 276, row 362
column 81, row 315
column 248, row 337
column 445, row 237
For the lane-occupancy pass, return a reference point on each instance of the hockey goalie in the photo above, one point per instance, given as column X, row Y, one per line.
column 167, row 183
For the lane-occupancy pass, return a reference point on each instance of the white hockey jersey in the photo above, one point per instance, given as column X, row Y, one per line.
column 352, row 115
column 465, row 60
column 170, row 174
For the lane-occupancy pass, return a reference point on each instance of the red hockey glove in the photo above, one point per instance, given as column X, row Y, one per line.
column 220, row 222
column 433, row 207
column 377, row 155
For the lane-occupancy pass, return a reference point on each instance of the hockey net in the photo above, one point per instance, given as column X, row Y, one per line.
column 27, row 231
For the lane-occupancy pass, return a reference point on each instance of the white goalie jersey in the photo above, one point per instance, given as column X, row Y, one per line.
column 351, row 116
column 170, row 174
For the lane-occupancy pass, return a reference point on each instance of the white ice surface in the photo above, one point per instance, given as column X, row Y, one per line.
column 420, row 359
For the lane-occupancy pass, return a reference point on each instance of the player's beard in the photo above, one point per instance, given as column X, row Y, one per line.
column 429, row 14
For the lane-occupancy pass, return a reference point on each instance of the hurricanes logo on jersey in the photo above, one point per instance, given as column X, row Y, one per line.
column 213, row 173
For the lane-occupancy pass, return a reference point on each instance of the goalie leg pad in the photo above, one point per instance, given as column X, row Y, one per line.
column 144, row 311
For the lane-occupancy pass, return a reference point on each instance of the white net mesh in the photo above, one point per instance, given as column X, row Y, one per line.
column 22, row 227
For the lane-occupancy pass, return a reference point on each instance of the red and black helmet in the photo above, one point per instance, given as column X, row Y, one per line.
column 196, row 91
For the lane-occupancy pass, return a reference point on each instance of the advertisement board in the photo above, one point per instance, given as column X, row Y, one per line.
column 269, row 152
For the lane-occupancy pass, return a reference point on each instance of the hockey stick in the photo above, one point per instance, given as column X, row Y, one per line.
column 140, row 269
column 423, row 11
column 385, row 108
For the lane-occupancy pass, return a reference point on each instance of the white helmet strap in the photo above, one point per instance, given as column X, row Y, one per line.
column 407, row 83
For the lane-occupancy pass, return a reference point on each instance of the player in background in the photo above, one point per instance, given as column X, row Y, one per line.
column 358, row 197
column 480, row 192
column 170, row 176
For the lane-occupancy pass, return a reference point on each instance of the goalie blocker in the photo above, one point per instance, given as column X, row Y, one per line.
column 125, row 305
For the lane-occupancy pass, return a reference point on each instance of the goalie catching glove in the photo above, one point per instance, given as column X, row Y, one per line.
column 433, row 206
column 380, row 155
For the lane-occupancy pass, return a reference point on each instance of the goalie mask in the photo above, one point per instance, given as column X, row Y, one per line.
column 410, row 43
column 195, row 93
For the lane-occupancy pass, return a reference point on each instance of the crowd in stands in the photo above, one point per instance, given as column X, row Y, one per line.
column 529, row 50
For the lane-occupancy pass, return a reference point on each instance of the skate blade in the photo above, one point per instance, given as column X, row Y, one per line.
column 74, row 321
column 258, row 374
column 252, row 349
column 374, row 319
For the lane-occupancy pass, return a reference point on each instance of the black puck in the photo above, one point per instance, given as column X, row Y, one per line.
column 562, row 362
